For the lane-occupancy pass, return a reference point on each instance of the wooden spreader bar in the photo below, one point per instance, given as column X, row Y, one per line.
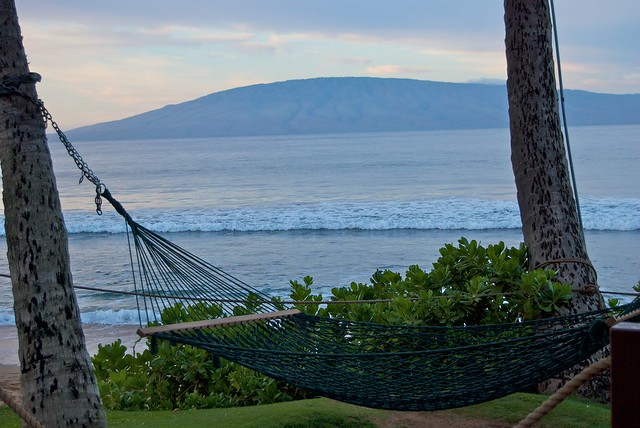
column 218, row 322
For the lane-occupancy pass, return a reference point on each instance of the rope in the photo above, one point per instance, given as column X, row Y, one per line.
column 620, row 293
column 222, row 300
column 588, row 289
column 569, row 388
column 577, row 381
column 286, row 302
column 566, row 260
column 564, row 116
column 13, row 402
column 289, row 302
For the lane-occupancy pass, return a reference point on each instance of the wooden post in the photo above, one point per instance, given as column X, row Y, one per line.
column 625, row 375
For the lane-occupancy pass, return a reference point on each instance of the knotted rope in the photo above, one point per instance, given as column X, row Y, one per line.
column 588, row 289
column 581, row 378
column 568, row 389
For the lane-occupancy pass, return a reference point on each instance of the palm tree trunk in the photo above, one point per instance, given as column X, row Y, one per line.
column 550, row 222
column 58, row 384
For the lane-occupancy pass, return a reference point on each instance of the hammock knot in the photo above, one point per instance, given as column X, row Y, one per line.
column 102, row 191
column 590, row 290
column 587, row 290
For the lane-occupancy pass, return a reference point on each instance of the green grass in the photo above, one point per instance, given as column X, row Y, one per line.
column 571, row 413
column 323, row 413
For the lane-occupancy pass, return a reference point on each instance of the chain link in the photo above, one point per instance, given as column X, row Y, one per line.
column 86, row 171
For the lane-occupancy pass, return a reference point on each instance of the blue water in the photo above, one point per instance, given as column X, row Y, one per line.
column 336, row 207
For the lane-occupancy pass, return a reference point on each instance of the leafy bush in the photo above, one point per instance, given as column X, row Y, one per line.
column 468, row 284
column 180, row 377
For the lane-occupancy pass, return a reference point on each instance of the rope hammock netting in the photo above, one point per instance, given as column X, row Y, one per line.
column 374, row 365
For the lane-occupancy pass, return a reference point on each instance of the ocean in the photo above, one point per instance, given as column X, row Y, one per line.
column 272, row 209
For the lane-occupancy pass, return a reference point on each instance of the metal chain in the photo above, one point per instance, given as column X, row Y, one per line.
column 87, row 172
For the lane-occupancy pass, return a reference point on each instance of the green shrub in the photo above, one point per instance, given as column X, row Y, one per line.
column 181, row 377
column 468, row 284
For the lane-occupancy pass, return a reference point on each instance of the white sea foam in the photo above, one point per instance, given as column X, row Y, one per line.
column 109, row 316
column 101, row 317
column 7, row 317
column 437, row 214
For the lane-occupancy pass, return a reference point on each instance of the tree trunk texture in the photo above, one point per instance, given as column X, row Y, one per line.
column 58, row 383
column 550, row 222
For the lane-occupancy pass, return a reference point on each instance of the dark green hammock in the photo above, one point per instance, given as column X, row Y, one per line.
column 374, row 365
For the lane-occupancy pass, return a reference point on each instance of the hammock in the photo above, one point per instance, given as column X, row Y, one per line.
column 373, row 365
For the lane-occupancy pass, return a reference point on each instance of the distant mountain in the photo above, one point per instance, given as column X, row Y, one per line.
column 349, row 104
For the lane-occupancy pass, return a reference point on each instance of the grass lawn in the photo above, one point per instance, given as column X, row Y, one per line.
column 317, row 413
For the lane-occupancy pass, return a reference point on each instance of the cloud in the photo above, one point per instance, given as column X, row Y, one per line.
column 392, row 69
column 280, row 15
column 485, row 81
column 352, row 60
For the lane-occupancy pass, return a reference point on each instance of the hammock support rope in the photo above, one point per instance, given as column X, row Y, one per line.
column 569, row 388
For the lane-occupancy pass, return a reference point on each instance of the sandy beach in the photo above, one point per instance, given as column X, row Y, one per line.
column 95, row 334
column 10, row 379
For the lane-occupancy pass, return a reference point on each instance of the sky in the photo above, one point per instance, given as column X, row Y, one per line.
column 107, row 60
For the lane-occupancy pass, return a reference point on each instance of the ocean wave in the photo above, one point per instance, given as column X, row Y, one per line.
column 111, row 316
column 101, row 317
column 441, row 214
column 7, row 318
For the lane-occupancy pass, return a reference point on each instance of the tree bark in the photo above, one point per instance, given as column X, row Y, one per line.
column 58, row 383
column 550, row 223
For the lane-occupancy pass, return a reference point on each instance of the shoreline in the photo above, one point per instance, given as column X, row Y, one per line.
column 95, row 334
column 10, row 380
